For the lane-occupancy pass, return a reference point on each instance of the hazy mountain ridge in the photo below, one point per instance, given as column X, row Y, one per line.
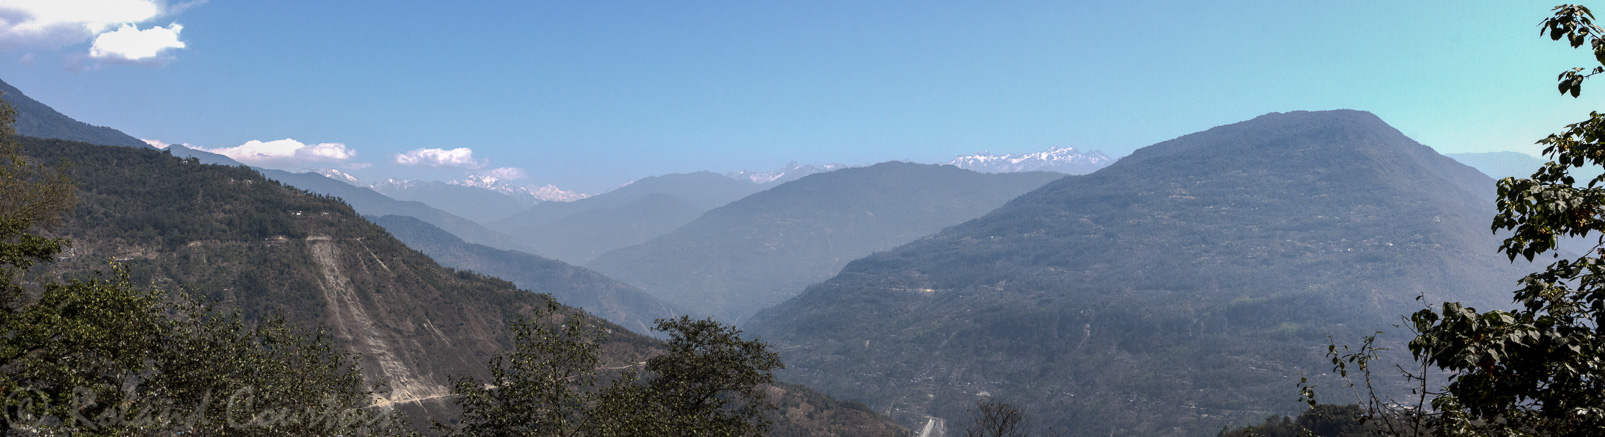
column 474, row 203
column 34, row 119
column 1173, row 292
column 1499, row 165
column 757, row 251
column 792, row 171
column 1065, row 160
column 579, row 231
column 577, row 286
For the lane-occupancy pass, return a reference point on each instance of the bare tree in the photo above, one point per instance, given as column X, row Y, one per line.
column 1001, row 419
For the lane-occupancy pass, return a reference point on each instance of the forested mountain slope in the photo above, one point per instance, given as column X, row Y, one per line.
column 1185, row 287
column 603, row 296
column 760, row 250
column 577, row 232
column 248, row 243
column 230, row 235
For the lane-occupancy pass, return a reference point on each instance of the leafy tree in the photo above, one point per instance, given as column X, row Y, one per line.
column 1324, row 420
column 31, row 196
column 542, row 389
column 1536, row 370
column 709, row 382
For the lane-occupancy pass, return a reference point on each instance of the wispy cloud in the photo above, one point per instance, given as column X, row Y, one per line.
column 504, row 173
column 461, row 157
column 289, row 154
column 112, row 27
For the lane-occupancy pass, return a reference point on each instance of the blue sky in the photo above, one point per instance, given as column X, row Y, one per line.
column 589, row 95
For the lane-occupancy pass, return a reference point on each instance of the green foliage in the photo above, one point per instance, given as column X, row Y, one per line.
column 31, row 196
column 1322, row 420
column 1538, row 369
column 709, row 382
column 544, row 388
column 101, row 357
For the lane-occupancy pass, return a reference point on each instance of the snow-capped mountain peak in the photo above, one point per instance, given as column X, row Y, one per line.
column 545, row 193
column 1058, row 159
column 338, row 175
column 791, row 171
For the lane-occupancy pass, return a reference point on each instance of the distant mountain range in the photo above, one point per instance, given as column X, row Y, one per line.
column 1065, row 160
column 1499, row 165
column 764, row 248
column 474, row 203
column 541, row 193
column 577, row 232
column 479, row 198
column 1186, row 287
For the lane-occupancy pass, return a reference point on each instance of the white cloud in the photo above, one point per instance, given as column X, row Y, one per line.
column 112, row 25
column 129, row 43
column 161, row 144
column 504, row 173
column 461, row 157
column 287, row 153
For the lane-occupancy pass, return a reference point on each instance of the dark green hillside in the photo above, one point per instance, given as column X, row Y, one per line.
column 1183, row 288
column 579, row 231
column 610, row 299
column 760, row 250
column 34, row 119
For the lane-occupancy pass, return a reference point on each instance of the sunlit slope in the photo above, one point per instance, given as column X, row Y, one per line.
column 1180, row 289
column 760, row 250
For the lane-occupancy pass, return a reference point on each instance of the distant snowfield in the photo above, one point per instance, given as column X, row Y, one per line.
column 1066, row 160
